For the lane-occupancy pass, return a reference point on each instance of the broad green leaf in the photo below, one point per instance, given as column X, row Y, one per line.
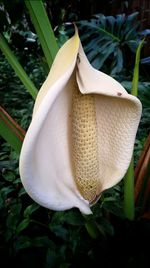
column 118, row 64
column 11, row 131
column 131, row 33
column 17, row 67
column 43, row 28
column 119, row 22
column 102, row 20
column 130, row 20
column 104, row 56
column 107, row 33
column 120, row 29
column 130, row 23
column 111, row 21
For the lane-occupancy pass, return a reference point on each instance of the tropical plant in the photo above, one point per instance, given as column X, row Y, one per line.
column 109, row 40
column 36, row 237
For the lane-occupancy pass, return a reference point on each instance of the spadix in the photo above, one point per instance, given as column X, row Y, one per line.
column 81, row 137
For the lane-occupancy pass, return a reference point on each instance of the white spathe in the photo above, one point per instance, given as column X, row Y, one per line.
column 46, row 160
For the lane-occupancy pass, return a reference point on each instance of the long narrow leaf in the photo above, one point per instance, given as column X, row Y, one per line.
column 129, row 206
column 43, row 28
column 17, row 67
column 11, row 131
column 134, row 89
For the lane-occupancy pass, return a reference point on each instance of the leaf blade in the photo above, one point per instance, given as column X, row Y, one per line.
column 17, row 67
column 43, row 28
column 11, row 131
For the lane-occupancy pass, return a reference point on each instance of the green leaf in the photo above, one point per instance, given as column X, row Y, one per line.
column 22, row 225
column 134, row 90
column 103, row 57
column 43, row 28
column 30, row 209
column 74, row 217
column 13, row 216
column 119, row 21
column 92, row 229
column 132, row 32
column 17, row 67
column 9, row 175
column 130, row 21
column 102, row 19
column 111, row 20
column 23, row 242
column 59, row 231
column 118, row 64
column 121, row 31
column 11, row 131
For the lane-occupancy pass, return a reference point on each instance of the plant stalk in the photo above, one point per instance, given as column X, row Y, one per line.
column 129, row 209
column 129, row 205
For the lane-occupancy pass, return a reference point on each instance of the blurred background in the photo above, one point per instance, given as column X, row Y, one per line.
column 32, row 236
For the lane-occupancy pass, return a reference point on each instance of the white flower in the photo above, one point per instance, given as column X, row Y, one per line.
column 81, row 137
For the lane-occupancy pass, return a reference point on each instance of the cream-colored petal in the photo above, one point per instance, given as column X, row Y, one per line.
column 117, row 117
column 91, row 80
column 50, row 162
column 65, row 57
column 46, row 160
column 116, row 136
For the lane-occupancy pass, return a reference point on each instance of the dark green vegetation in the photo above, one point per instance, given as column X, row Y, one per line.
column 32, row 236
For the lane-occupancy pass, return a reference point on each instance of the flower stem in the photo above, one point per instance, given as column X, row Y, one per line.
column 129, row 209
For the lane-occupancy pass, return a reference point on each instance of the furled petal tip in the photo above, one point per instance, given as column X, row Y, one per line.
column 81, row 137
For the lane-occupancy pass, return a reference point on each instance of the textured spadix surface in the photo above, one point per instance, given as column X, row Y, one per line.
column 81, row 137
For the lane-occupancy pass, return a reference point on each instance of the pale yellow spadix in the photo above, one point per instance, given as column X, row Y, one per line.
column 81, row 137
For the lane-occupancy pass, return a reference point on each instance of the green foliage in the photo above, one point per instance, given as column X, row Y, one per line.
column 109, row 41
column 32, row 236
column 17, row 67
column 10, row 131
column 43, row 29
